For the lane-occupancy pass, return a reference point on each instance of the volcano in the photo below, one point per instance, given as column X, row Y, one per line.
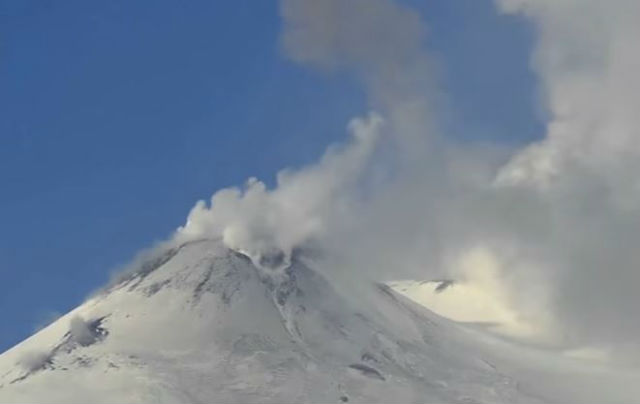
column 199, row 322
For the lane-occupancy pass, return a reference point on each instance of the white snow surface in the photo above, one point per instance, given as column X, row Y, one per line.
column 203, row 324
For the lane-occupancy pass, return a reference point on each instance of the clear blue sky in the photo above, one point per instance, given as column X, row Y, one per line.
column 116, row 116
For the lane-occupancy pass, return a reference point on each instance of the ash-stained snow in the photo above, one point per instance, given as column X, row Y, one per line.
column 204, row 324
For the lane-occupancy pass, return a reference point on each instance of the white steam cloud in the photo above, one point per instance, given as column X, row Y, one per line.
column 264, row 223
column 560, row 222
column 586, row 168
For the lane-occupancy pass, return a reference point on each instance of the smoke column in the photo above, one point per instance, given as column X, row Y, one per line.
column 559, row 223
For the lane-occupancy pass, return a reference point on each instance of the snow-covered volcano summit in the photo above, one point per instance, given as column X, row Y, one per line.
column 202, row 323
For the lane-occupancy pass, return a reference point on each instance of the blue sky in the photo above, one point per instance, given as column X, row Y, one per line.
column 115, row 117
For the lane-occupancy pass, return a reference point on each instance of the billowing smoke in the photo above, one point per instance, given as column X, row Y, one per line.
column 266, row 223
column 586, row 168
column 560, row 222
column 382, row 44
column 587, row 60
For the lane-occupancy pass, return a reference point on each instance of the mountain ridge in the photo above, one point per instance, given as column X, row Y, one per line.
column 203, row 323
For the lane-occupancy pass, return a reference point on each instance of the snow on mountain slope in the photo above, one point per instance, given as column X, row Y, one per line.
column 202, row 323
column 468, row 302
